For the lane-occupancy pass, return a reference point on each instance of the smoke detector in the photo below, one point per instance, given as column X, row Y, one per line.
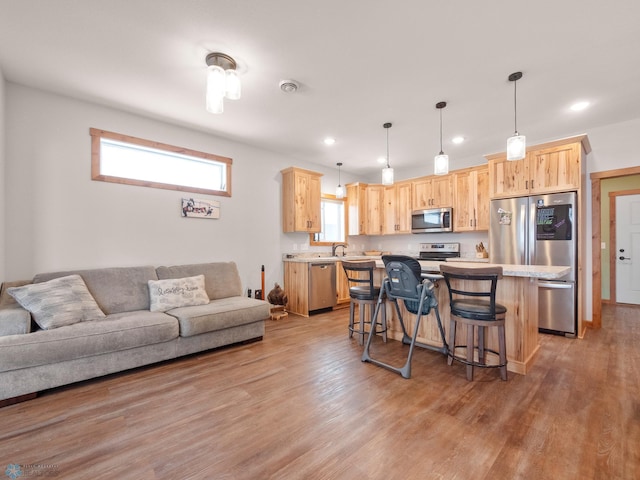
column 289, row 86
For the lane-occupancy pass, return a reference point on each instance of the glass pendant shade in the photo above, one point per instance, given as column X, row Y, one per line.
column 216, row 88
column 234, row 88
column 441, row 164
column 516, row 147
column 339, row 191
column 387, row 176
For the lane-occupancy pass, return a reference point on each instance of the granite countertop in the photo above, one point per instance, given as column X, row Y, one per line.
column 509, row 270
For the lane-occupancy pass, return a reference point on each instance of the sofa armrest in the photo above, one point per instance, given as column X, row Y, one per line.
column 14, row 320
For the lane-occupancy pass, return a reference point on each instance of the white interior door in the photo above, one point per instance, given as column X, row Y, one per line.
column 628, row 249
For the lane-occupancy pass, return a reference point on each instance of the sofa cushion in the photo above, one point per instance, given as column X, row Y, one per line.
column 221, row 279
column 177, row 292
column 14, row 320
column 219, row 314
column 5, row 298
column 111, row 334
column 119, row 289
column 58, row 302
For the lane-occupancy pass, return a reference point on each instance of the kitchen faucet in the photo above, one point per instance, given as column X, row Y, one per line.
column 334, row 247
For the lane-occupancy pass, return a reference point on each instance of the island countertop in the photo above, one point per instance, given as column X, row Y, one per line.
column 508, row 270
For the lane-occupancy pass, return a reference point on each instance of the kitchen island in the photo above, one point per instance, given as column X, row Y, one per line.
column 517, row 291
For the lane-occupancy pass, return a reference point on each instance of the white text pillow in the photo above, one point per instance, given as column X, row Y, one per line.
column 177, row 292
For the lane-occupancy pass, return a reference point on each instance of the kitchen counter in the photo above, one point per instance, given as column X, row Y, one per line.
column 508, row 270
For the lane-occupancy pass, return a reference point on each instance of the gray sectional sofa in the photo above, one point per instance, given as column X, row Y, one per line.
column 131, row 327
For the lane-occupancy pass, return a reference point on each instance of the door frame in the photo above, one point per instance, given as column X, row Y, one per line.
column 612, row 238
column 596, row 234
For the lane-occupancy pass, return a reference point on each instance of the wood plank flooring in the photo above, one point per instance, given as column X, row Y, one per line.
column 301, row 405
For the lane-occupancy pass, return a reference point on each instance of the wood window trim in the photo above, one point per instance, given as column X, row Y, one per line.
column 97, row 135
column 329, row 196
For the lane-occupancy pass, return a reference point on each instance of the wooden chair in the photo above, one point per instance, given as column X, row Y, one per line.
column 472, row 299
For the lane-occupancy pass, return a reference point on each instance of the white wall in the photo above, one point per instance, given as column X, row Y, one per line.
column 58, row 218
column 2, row 182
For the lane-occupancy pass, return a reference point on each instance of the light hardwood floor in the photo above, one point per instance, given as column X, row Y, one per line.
column 301, row 405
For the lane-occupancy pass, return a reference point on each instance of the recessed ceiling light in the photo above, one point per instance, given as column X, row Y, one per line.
column 579, row 106
column 457, row 140
column 329, row 141
column 382, row 160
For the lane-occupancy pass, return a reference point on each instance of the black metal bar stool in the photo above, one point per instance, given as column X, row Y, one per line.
column 405, row 282
column 472, row 298
column 364, row 293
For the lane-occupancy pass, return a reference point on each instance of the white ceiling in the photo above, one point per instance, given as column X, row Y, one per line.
column 360, row 63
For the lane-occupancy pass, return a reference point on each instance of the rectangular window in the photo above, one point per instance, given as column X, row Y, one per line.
column 332, row 220
column 134, row 161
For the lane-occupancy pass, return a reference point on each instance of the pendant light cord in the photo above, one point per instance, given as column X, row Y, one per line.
column 441, row 152
column 515, row 106
column 388, row 147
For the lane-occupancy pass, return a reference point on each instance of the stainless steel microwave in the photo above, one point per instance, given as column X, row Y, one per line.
column 432, row 220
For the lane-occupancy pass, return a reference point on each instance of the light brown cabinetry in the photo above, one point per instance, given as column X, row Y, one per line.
column 342, row 285
column 357, row 208
column 397, row 208
column 471, row 193
column 374, row 199
column 296, row 284
column 300, row 200
column 432, row 192
column 551, row 167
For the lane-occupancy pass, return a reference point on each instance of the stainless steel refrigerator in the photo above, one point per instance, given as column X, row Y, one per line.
column 541, row 230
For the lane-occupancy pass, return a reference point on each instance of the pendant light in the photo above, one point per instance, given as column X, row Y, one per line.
column 441, row 161
column 516, row 144
column 387, row 172
column 339, row 188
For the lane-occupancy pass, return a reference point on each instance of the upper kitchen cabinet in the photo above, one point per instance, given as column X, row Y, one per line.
column 397, row 208
column 374, row 200
column 432, row 192
column 300, row 200
column 471, row 193
column 357, row 208
column 551, row 167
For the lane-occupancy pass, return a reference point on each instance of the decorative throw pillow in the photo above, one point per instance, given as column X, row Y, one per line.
column 177, row 292
column 58, row 302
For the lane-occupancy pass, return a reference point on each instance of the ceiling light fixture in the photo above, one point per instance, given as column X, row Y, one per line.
column 441, row 161
column 222, row 81
column 387, row 172
column 339, row 188
column 516, row 144
column 457, row 140
column 329, row 141
column 579, row 106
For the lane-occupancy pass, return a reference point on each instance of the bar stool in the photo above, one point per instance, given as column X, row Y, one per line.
column 363, row 293
column 476, row 313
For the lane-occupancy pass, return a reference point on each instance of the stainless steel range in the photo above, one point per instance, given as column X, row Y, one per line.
column 438, row 251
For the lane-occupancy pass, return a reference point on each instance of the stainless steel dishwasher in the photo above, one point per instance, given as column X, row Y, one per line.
column 322, row 285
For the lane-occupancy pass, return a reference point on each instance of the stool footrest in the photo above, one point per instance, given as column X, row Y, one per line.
column 475, row 363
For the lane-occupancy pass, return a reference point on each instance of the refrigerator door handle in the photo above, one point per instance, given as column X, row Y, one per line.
column 555, row 285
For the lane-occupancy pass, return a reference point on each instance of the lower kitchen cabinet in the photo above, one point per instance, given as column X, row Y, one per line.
column 342, row 285
column 296, row 285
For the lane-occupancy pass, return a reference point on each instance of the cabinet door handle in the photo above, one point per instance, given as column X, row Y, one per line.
column 532, row 184
column 526, row 184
